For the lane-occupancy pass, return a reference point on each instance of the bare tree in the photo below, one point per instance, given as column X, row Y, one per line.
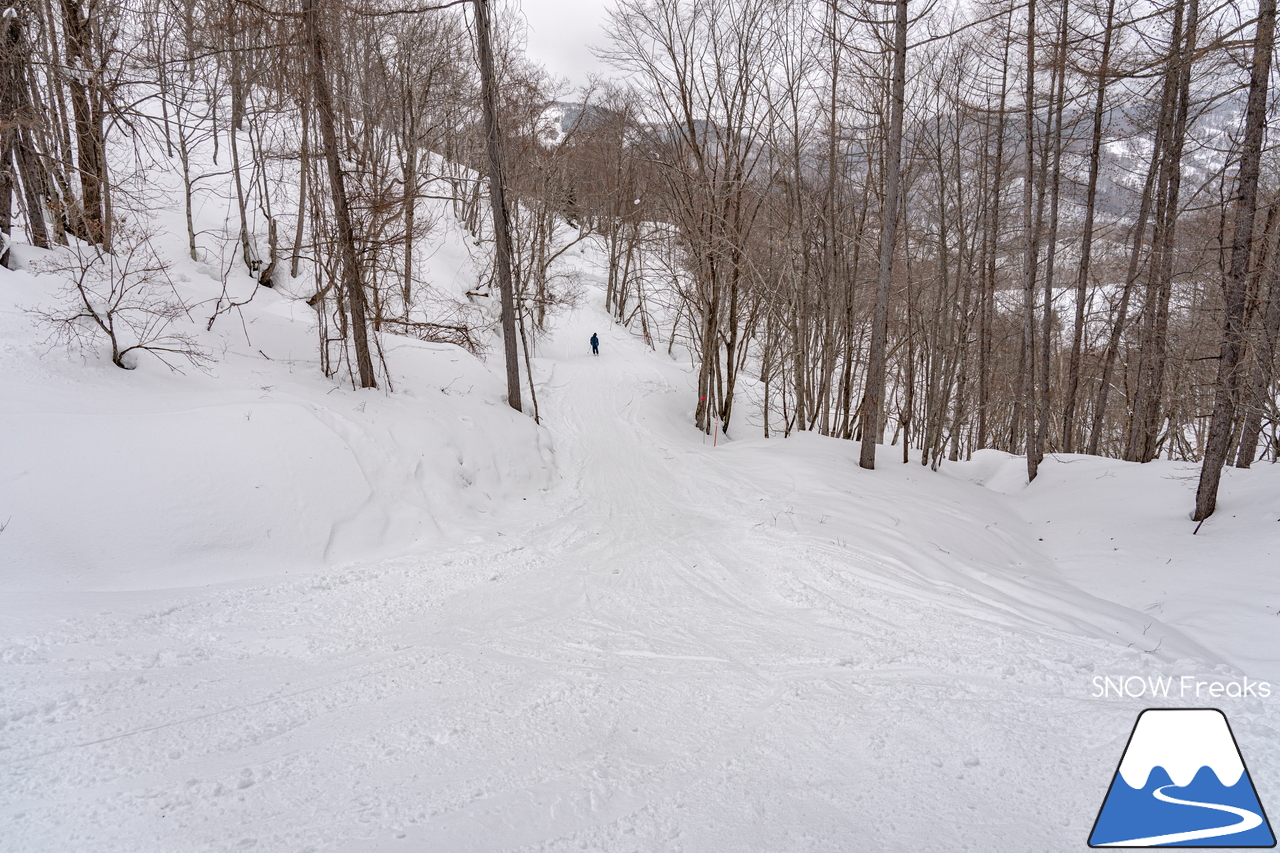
column 872, row 399
column 1235, row 288
column 497, row 200
column 352, row 279
column 124, row 296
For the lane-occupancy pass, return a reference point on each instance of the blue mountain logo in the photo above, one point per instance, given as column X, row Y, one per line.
column 1182, row 783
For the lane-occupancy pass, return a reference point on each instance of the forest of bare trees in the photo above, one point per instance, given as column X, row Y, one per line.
column 1039, row 227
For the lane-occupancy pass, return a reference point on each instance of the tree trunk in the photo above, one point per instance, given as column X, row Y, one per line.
column 6, row 199
column 497, row 200
column 1031, row 225
column 1233, row 332
column 873, row 397
column 352, row 278
column 10, row 39
column 304, row 171
column 17, row 115
column 1264, row 371
column 1145, row 408
column 1086, row 244
column 247, row 253
column 410, row 175
column 1122, row 310
column 1054, row 143
column 90, row 155
column 986, row 310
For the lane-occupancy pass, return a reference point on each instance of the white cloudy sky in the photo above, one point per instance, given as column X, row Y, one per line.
column 561, row 33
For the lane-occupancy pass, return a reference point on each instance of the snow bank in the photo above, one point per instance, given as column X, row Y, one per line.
column 114, row 479
column 1123, row 530
column 939, row 538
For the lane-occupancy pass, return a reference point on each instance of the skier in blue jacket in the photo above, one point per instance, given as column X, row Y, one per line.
column 595, row 344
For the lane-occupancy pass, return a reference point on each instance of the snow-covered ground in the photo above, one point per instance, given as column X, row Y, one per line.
column 258, row 610
column 147, row 478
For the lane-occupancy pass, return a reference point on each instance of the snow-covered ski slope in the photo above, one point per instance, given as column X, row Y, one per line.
column 603, row 634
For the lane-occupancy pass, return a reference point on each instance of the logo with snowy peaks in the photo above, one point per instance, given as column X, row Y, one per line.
column 1182, row 783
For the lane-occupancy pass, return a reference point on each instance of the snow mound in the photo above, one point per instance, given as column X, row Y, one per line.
column 113, row 479
column 1123, row 531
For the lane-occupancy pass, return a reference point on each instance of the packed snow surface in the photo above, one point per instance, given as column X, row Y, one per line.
column 259, row 610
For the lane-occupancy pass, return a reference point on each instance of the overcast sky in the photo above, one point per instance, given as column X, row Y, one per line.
column 561, row 33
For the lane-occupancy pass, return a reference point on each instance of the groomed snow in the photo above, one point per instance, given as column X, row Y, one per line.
column 465, row 632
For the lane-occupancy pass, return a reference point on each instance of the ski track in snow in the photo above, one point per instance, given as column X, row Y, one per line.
column 652, row 656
